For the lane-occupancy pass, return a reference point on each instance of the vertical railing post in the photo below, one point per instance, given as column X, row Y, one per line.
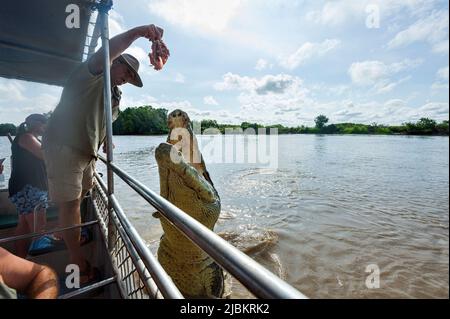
column 104, row 7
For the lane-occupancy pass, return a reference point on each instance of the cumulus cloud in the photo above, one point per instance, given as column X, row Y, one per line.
column 261, row 65
column 11, row 90
column 269, row 84
column 367, row 72
column 432, row 29
column 136, row 101
column 385, row 86
column 172, row 105
column 378, row 74
column 309, row 51
column 203, row 15
column 337, row 12
column 209, row 100
column 18, row 99
column 394, row 112
column 433, row 110
column 442, row 79
column 269, row 99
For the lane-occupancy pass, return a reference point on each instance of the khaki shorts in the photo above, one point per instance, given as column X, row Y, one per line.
column 68, row 172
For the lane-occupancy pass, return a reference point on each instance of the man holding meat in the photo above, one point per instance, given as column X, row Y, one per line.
column 77, row 129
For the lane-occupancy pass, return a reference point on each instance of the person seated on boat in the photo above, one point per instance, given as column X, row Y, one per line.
column 28, row 278
column 28, row 182
column 77, row 129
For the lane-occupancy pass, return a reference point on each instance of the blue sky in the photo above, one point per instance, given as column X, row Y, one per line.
column 281, row 61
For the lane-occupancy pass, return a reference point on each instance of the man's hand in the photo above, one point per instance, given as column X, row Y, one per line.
column 151, row 32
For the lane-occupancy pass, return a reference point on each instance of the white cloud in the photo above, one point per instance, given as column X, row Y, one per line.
column 236, row 82
column 261, row 65
column 393, row 112
column 130, row 101
column 324, row 89
column 204, row 15
column 442, row 73
column 378, row 74
column 116, row 26
column 209, row 100
column 336, row 12
column 18, row 99
column 437, row 86
column 434, row 110
column 268, row 84
column 340, row 12
column 442, row 79
column 432, row 29
column 309, row 51
column 116, row 23
column 385, row 86
column 441, row 47
column 367, row 72
column 294, row 104
column 11, row 90
column 172, row 105
column 269, row 99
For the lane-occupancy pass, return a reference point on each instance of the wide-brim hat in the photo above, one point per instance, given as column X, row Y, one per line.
column 133, row 65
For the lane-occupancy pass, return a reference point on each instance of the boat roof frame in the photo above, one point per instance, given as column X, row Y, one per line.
column 36, row 43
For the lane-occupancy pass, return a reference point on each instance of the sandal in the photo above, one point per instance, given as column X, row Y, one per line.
column 85, row 236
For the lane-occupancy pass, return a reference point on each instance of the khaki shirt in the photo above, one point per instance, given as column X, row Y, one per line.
column 78, row 121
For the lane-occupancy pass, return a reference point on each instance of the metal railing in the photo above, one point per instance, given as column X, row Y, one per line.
column 129, row 252
column 257, row 279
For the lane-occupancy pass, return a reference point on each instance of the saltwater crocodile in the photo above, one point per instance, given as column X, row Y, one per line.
column 186, row 183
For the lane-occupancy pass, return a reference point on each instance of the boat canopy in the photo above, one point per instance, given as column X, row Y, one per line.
column 35, row 43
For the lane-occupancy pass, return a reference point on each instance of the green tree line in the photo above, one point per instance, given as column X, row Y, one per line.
column 146, row 120
column 424, row 126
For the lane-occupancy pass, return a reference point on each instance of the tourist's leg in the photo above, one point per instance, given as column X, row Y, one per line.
column 69, row 215
column 22, row 229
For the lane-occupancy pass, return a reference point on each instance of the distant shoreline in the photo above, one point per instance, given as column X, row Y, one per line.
column 327, row 134
column 319, row 134
column 149, row 121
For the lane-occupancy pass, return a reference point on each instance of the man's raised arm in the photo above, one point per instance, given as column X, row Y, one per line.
column 121, row 42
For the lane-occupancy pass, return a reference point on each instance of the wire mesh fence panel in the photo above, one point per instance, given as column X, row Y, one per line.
column 133, row 276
